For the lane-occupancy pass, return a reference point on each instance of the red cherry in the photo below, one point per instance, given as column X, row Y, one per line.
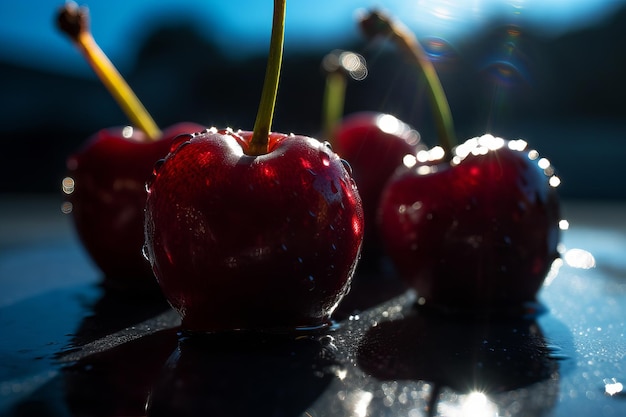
column 106, row 186
column 106, row 178
column 478, row 233
column 239, row 241
column 374, row 144
column 254, row 230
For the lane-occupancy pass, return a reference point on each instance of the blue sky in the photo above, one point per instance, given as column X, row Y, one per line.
column 28, row 34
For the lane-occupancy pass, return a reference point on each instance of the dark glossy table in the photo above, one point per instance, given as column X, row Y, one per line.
column 72, row 347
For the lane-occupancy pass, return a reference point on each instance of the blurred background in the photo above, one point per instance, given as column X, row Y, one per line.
column 548, row 71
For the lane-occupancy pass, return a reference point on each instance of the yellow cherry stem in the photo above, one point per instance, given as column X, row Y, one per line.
column 377, row 24
column 265, row 115
column 74, row 21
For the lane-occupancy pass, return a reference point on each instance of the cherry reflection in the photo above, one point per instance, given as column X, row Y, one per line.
column 244, row 374
column 117, row 381
column 116, row 353
column 470, row 365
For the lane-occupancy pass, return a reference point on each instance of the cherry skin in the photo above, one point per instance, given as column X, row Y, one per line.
column 108, row 197
column 253, row 242
column 374, row 144
column 479, row 233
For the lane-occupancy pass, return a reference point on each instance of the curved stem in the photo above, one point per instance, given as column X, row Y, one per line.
column 263, row 123
column 74, row 21
column 376, row 24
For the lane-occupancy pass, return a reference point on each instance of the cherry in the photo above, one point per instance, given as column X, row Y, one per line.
column 477, row 233
column 106, row 187
column 373, row 143
column 254, row 230
column 107, row 175
column 470, row 227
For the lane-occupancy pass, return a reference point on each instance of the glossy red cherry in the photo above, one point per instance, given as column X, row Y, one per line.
column 107, row 176
column 374, row 144
column 106, row 188
column 254, row 230
column 478, row 233
column 239, row 241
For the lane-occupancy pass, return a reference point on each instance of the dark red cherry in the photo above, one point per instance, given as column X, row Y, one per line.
column 478, row 233
column 246, row 242
column 106, row 186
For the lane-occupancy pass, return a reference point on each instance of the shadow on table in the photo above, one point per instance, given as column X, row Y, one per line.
column 243, row 374
column 464, row 356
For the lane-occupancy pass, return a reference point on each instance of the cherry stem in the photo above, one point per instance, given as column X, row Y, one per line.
column 334, row 92
column 263, row 123
column 377, row 24
column 333, row 105
column 340, row 67
column 74, row 22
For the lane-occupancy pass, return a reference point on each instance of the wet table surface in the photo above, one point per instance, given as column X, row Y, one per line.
column 71, row 347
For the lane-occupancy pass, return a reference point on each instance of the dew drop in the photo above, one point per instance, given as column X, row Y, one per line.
column 144, row 252
column 157, row 166
column 347, row 166
column 180, row 141
column 149, row 182
column 325, row 159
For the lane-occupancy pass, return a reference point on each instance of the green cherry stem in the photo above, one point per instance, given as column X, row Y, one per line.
column 74, row 22
column 377, row 24
column 334, row 93
column 340, row 67
column 263, row 123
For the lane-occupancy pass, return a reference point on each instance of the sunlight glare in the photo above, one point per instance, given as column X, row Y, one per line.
column 388, row 123
column 579, row 258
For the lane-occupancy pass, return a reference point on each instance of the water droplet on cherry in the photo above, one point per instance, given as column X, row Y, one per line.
column 157, row 166
column 325, row 158
column 180, row 141
column 347, row 166
column 144, row 252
